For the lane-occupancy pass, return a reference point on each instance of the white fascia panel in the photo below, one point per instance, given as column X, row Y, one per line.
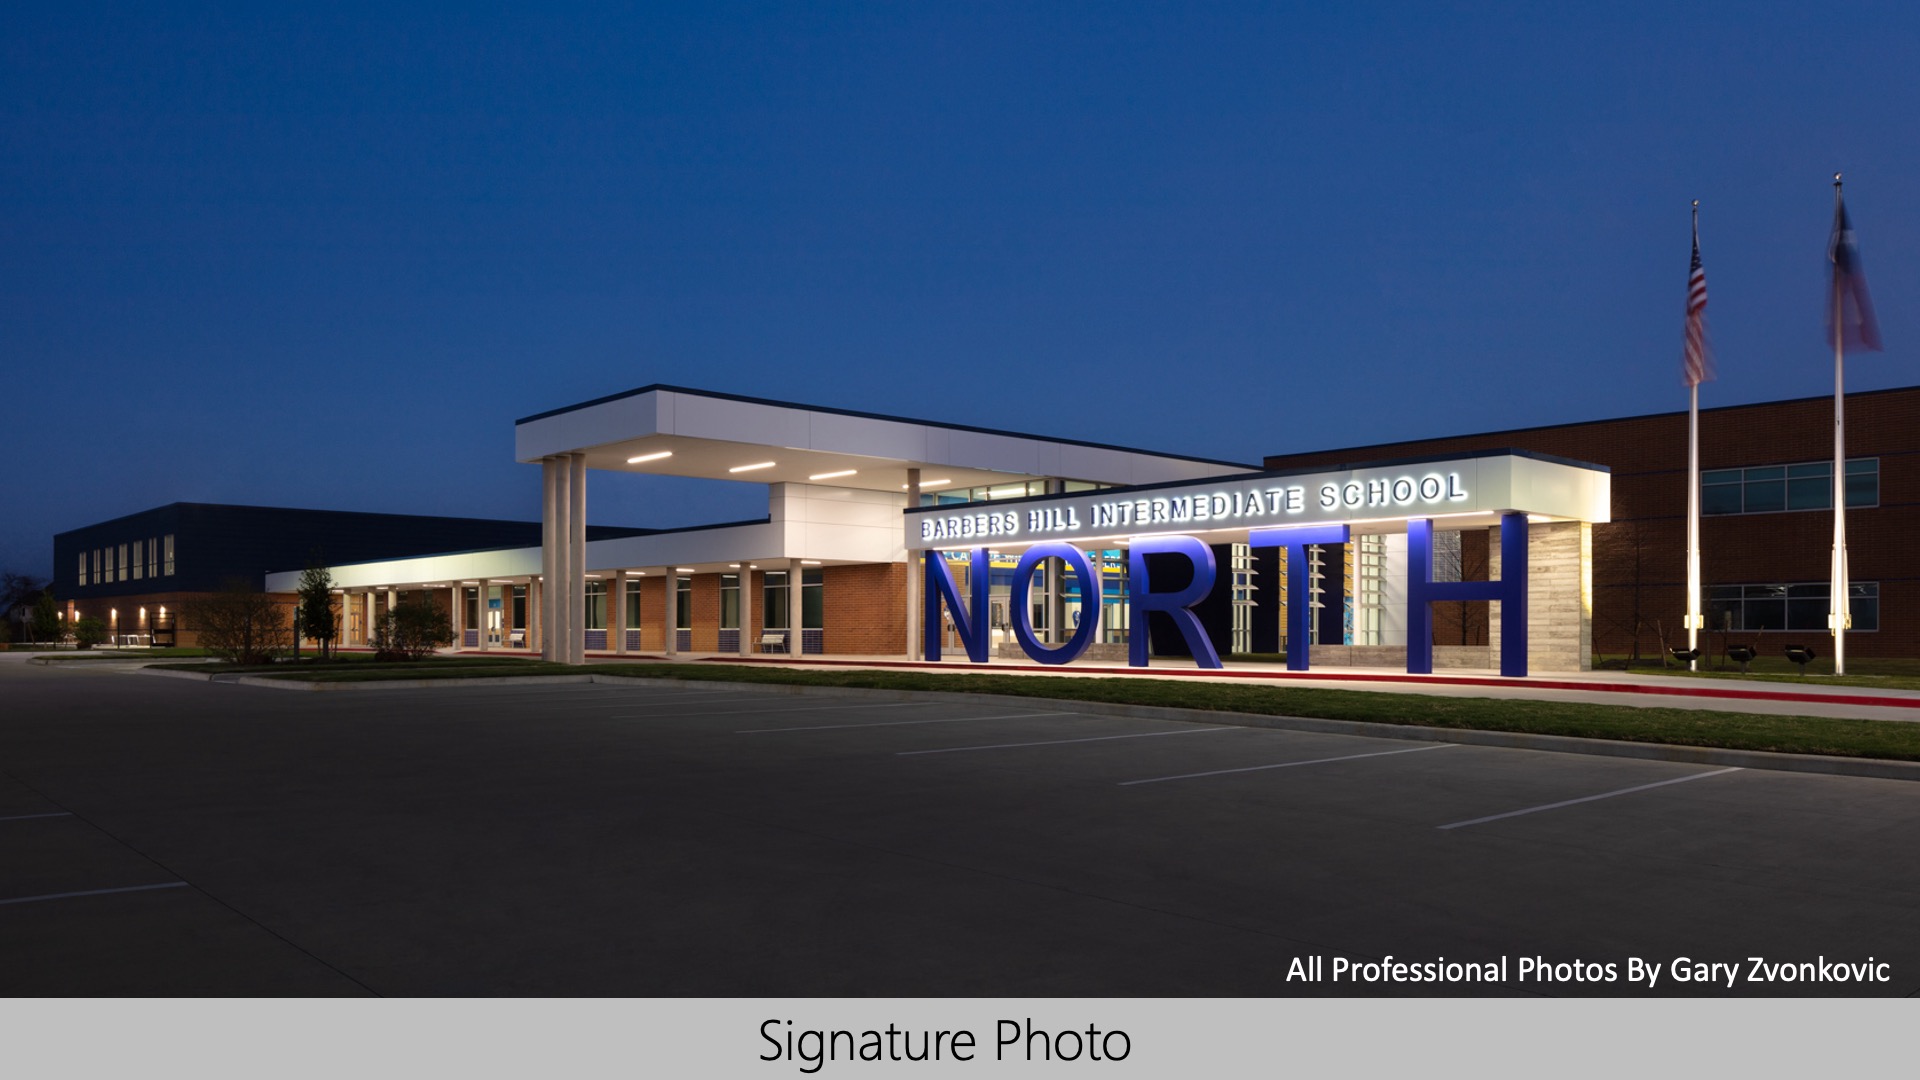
column 759, row 541
column 698, row 417
column 851, row 543
column 504, row 563
column 1546, row 487
column 939, row 449
column 972, row 449
column 632, row 417
column 867, row 437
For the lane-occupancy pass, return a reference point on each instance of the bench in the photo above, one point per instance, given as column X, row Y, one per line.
column 773, row 638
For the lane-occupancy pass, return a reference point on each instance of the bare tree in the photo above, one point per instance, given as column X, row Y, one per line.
column 241, row 624
column 1620, row 555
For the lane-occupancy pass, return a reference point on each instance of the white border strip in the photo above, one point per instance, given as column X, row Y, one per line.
column 898, row 723
column 1585, row 799
column 94, row 892
column 1286, row 764
column 1062, row 742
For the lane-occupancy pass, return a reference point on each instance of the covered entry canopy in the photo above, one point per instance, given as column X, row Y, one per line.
column 1543, row 509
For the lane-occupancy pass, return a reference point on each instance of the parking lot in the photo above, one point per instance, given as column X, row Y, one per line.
column 162, row 836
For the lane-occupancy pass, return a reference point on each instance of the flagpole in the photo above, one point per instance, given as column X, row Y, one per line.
column 1693, row 523
column 1838, row 616
column 1696, row 355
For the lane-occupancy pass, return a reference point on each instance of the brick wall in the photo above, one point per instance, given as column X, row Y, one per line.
column 1639, row 572
column 866, row 609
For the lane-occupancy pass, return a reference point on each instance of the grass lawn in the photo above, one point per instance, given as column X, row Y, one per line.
column 1883, row 674
column 1687, row 727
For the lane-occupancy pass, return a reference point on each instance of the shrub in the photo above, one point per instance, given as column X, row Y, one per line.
column 412, row 629
column 240, row 625
column 88, row 632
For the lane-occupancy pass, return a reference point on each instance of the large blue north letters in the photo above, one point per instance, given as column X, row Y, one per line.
column 1299, row 584
column 1089, row 603
column 1177, row 605
column 970, row 619
column 1510, row 591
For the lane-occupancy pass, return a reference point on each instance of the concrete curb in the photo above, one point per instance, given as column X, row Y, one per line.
column 1517, row 740
column 405, row 684
column 200, row 676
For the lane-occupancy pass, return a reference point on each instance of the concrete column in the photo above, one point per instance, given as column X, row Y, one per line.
column 577, row 557
column 536, row 617
column 549, row 558
column 617, row 612
column 485, row 618
column 749, row 640
column 560, row 631
column 671, row 627
column 915, row 578
column 366, row 600
column 1056, row 588
column 797, row 634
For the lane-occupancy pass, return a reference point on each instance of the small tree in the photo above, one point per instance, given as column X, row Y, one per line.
column 412, row 629
column 240, row 624
column 88, row 632
column 316, row 607
column 46, row 619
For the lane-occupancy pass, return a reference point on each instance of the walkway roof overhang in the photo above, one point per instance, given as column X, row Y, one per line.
column 726, row 437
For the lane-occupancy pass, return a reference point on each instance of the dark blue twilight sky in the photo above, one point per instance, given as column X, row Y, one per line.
column 325, row 258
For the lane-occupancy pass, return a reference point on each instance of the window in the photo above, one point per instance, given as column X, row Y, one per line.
column 633, row 606
column 139, row 565
column 683, row 605
column 123, row 562
column 83, row 568
column 813, row 607
column 96, row 566
column 1768, row 489
column 596, row 605
column 729, row 601
column 773, row 607
column 166, row 554
column 1796, row 607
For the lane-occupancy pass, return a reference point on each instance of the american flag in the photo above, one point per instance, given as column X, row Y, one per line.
column 1847, row 301
column 1696, row 364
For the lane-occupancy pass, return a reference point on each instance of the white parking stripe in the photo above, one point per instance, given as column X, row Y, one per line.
column 1062, row 742
column 630, row 702
column 30, row 817
column 781, row 712
column 1588, row 798
column 897, row 723
column 1285, row 764
column 94, row 892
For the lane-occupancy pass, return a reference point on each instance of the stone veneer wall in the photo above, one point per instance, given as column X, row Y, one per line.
column 1559, row 597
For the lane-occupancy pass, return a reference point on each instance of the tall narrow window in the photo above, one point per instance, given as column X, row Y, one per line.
column 596, row 605
column 139, row 565
column 96, row 566
column 166, row 554
column 813, row 606
column 729, row 601
column 773, row 607
column 633, row 605
column 683, row 605
column 83, row 568
column 123, row 562
column 153, row 556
